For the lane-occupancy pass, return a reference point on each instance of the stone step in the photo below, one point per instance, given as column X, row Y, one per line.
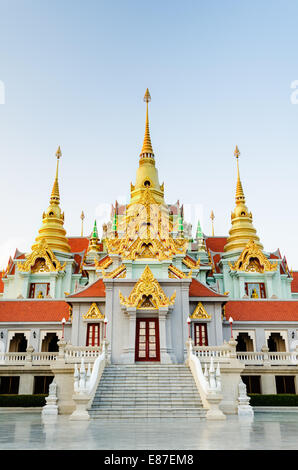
column 149, row 413
column 146, row 391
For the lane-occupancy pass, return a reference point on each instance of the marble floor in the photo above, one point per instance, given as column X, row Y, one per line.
column 27, row 431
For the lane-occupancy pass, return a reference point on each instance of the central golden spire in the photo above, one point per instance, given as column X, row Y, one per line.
column 242, row 230
column 147, row 150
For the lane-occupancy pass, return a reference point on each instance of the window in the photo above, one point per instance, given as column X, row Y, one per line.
column 93, row 338
column 41, row 384
column 276, row 343
column 9, row 385
column 285, row 384
column 255, row 290
column 244, row 342
column 50, row 343
column 252, row 382
column 201, row 338
column 39, row 290
column 18, row 343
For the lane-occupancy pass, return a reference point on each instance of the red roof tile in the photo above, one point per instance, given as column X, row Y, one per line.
column 294, row 285
column 197, row 289
column 97, row 289
column 78, row 244
column 33, row 310
column 262, row 310
column 216, row 244
column 1, row 283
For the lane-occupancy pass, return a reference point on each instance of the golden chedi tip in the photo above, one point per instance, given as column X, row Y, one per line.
column 52, row 230
column 147, row 150
column 242, row 229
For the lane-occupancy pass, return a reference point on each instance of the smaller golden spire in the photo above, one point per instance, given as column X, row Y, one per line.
column 147, row 149
column 55, row 195
column 212, row 217
column 242, row 229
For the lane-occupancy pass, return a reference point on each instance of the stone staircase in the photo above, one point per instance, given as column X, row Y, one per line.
column 147, row 391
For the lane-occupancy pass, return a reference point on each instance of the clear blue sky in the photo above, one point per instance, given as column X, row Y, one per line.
column 219, row 73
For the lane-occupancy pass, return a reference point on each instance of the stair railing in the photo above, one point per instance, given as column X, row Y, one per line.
column 208, row 383
column 86, row 383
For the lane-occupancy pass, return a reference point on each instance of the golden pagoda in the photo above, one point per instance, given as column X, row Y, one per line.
column 52, row 230
column 242, row 230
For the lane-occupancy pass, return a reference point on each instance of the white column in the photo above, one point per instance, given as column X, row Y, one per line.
column 164, row 355
column 130, row 350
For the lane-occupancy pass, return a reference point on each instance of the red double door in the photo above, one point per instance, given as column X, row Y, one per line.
column 147, row 340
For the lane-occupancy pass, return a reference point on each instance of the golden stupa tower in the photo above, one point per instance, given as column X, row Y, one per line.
column 52, row 230
column 242, row 230
column 147, row 174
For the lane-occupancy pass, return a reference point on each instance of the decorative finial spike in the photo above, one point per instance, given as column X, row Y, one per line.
column 58, row 153
column 147, row 150
column 147, row 97
column 212, row 217
column 237, row 152
column 82, row 224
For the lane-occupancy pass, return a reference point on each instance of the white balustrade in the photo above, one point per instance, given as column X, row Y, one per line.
column 75, row 353
column 274, row 358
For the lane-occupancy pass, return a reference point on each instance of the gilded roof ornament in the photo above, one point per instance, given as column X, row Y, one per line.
column 147, row 294
column 252, row 259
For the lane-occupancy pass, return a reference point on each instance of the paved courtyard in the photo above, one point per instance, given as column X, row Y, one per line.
column 265, row 431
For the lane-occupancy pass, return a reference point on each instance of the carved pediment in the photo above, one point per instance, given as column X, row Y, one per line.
column 252, row 259
column 41, row 260
column 147, row 294
column 200, row 313
column 93, row 313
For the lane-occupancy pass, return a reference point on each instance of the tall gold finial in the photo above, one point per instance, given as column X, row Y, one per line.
column 55, row 195
column 147, row 150
column 212, row 217
column 82, row 225
column 239, row 190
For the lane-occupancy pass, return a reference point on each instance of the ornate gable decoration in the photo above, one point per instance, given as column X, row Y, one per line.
column 176, row 273
column 119, row 272
column 93, row 313
column 147, row 233
column 252, row 259
column 191, row 263
column 200, row 313
column 41, row 260
column 147, row 294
